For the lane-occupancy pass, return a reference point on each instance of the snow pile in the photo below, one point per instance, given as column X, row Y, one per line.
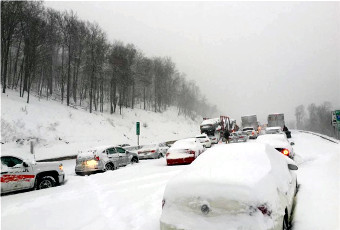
column 59, row 130
column 318, row 199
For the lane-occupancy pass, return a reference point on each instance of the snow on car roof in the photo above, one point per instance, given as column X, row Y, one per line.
column 210, row 121
column 275, row 140
column 271, row 128
column 184, row 143
column 246, row 172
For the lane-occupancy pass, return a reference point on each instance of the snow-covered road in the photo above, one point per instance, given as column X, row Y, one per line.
column 130, row 198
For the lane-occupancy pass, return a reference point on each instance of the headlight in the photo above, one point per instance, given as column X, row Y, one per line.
column 91, row 163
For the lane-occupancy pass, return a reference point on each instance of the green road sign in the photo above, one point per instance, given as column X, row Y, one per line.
column 137, row 128
column 337, row 115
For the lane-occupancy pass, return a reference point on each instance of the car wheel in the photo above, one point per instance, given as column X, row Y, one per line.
column 46, row 182
column 134, row 160
column 109, row 167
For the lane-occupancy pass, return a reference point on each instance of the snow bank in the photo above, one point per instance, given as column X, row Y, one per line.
column 318, row 199
column 59, row 130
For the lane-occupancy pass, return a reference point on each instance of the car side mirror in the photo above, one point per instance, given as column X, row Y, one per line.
column 292, row 167
column 25, row 164
column 292, row 143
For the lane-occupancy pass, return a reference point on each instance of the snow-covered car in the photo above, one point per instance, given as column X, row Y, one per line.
column 278, row 141
column 154, row 151
column 213, row 139
column 204, row 139
column 252, row 133
column 249, row 186
column 101, row 158
column 273, row 130
column 19, row 174
column 184, row 151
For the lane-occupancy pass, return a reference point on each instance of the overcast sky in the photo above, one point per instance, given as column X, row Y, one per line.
column 246, row 57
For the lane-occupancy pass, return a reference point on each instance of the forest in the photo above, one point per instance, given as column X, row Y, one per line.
column 55, row 55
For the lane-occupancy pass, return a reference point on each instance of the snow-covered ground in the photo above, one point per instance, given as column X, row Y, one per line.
column 131, row 197
column 59, row 130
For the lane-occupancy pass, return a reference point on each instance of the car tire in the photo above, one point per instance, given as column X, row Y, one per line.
column 109, row 167
column 134, row 160
column 46, row 182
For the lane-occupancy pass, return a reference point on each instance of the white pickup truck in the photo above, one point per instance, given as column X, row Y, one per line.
column 18, row 174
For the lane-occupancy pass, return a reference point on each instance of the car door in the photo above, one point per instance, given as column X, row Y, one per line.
column 123, row 156
column 113, row 156
column 14, row 174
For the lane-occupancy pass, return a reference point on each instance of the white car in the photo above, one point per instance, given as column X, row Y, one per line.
column 249, row 186
column 273, row 130
column 252, row 133
column 278, row 141
column 204, row 139
column 213, row 139
column 154, row 151
column 184, row 151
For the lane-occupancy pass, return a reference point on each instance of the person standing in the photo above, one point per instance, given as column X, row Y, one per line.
column 226, row 135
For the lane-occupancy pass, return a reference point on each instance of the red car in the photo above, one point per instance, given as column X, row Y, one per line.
column 184, row 151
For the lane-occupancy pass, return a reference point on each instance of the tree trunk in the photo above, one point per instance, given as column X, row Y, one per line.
column 5, row 67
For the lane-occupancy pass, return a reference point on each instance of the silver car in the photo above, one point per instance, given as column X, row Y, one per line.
column 154, row 151
column 242, row 136
column 101, row 159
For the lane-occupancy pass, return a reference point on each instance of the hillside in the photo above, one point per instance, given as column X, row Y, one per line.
column 59, row 130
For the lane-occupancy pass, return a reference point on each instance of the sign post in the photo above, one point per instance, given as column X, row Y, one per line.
column 138, row 131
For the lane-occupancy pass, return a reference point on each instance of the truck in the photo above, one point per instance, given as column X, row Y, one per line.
column 250, row 125
column 19, row 174
column 276, row 120
column 215, row 127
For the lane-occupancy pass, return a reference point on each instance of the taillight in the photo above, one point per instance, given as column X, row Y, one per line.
column 264, row 210
column 163, row 203
column 253, row 133
column 191, row 152
column 153, row 151
column 96, row 158
column 139, row 152
column 61, row 167
column 285, row 152
column 167, row 154
column 241, row 136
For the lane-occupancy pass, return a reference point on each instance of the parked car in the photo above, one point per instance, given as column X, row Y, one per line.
column 274, row 130
column 213, row 139
column 184, row 151
column 204, row 139
column 280, row 142
column 19, row 174
column 101, row 159
column 248, row 186
column 252, row 133
column 154, row 151
column 242, row 136
column 233, row 138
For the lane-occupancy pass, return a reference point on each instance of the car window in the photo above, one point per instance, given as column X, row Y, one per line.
column 111, row 151
column 120, row 150
column 10, row 161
